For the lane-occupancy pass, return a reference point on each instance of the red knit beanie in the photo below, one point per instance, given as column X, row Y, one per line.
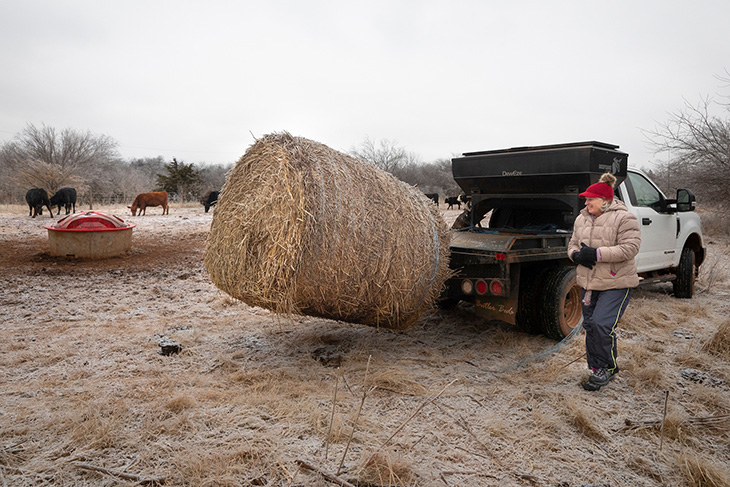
column 602, row 189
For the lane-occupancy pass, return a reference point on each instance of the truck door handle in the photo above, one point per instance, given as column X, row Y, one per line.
column 646, row 221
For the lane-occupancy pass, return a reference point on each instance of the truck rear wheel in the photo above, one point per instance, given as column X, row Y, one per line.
column 684, row 284
column 528, row 319
column 560, row 311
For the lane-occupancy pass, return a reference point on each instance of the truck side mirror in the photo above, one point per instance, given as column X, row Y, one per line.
column 685, row 200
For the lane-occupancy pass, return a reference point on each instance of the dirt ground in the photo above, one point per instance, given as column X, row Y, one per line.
column 86, row 397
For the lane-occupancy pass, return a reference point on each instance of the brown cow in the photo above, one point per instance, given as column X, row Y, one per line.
column 143, row 200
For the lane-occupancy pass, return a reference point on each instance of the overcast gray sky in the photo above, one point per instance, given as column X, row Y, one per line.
column 198, row 80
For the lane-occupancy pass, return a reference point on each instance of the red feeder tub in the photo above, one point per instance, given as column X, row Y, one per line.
column 90, row 234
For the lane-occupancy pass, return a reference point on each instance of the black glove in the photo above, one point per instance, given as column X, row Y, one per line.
column 590, row 253
column 579, row 260
column 587, row 256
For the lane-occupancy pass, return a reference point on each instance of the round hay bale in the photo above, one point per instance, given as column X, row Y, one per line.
column 303, row 229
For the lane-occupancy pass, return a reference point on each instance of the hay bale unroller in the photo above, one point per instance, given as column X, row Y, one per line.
column 303, row 229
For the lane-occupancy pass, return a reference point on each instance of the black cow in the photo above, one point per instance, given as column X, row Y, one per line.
column 65, row 197
column 453, row 200
column 466, row 199
column 36, row 199
column 210, row 200
column 433, row 197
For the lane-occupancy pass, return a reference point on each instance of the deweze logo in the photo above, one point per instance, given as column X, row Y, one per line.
column 613, row 168
column 616, row 164
column 511, row 173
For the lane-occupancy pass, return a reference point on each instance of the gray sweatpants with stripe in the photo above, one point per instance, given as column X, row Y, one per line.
column 600, row 318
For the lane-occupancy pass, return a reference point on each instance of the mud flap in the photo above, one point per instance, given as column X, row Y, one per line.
column 494, row 308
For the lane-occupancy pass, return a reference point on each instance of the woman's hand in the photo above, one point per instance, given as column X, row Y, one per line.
column 587, row 256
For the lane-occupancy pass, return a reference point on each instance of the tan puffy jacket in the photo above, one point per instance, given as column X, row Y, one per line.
column 617, row 236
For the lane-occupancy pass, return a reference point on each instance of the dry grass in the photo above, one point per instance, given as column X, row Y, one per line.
column 180, row 403
column 650, row 314
column 701, row 471
column 298, row 230
column 649, row 376
column 692, row 356
column 715, row 224
column 395, row 379
column 387, row 468
column 81, row 381
column 715, row 271
column 584, row 419
column 709, row 400
column 719, row 345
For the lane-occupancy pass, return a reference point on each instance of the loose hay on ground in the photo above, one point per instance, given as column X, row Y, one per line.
column 720, row 343
column 303, row 229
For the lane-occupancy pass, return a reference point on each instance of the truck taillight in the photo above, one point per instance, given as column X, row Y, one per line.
column 496, row 288
column 501, row 256
column 467, row 287
column 481, row 287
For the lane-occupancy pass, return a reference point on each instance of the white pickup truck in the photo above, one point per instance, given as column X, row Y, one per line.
column 509, row 248
column 672, row 246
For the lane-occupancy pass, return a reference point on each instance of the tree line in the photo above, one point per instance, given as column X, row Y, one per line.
column 44, row 157
column 693, row 148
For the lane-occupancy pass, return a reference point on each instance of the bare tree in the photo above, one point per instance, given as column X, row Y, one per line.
column 42, row 157
column 149, row 167
column 432, row 177
column 429, row 177
column 131, row 183
column 212, row 177
column 386, row 155
column 40, row 174
column 697, row 143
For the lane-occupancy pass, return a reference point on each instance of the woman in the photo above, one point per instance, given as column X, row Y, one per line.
column 605, row 240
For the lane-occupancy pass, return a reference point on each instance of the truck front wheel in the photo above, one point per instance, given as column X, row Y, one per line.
column 561, row 310
column 684, row 284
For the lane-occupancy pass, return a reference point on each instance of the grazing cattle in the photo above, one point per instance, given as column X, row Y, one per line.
column 451, row 201
column 143, row 200
column 65, row 197
column 210, row 199
column 37, row 198
column 466, row 199
column 433, row 197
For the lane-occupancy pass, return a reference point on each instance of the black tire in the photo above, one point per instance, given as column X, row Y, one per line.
column 560, row 311
column 684, row 284
column 447, row 303
column 527, row 318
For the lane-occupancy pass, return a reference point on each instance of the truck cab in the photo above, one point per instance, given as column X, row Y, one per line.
column 667, row 225
column 509, row 248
